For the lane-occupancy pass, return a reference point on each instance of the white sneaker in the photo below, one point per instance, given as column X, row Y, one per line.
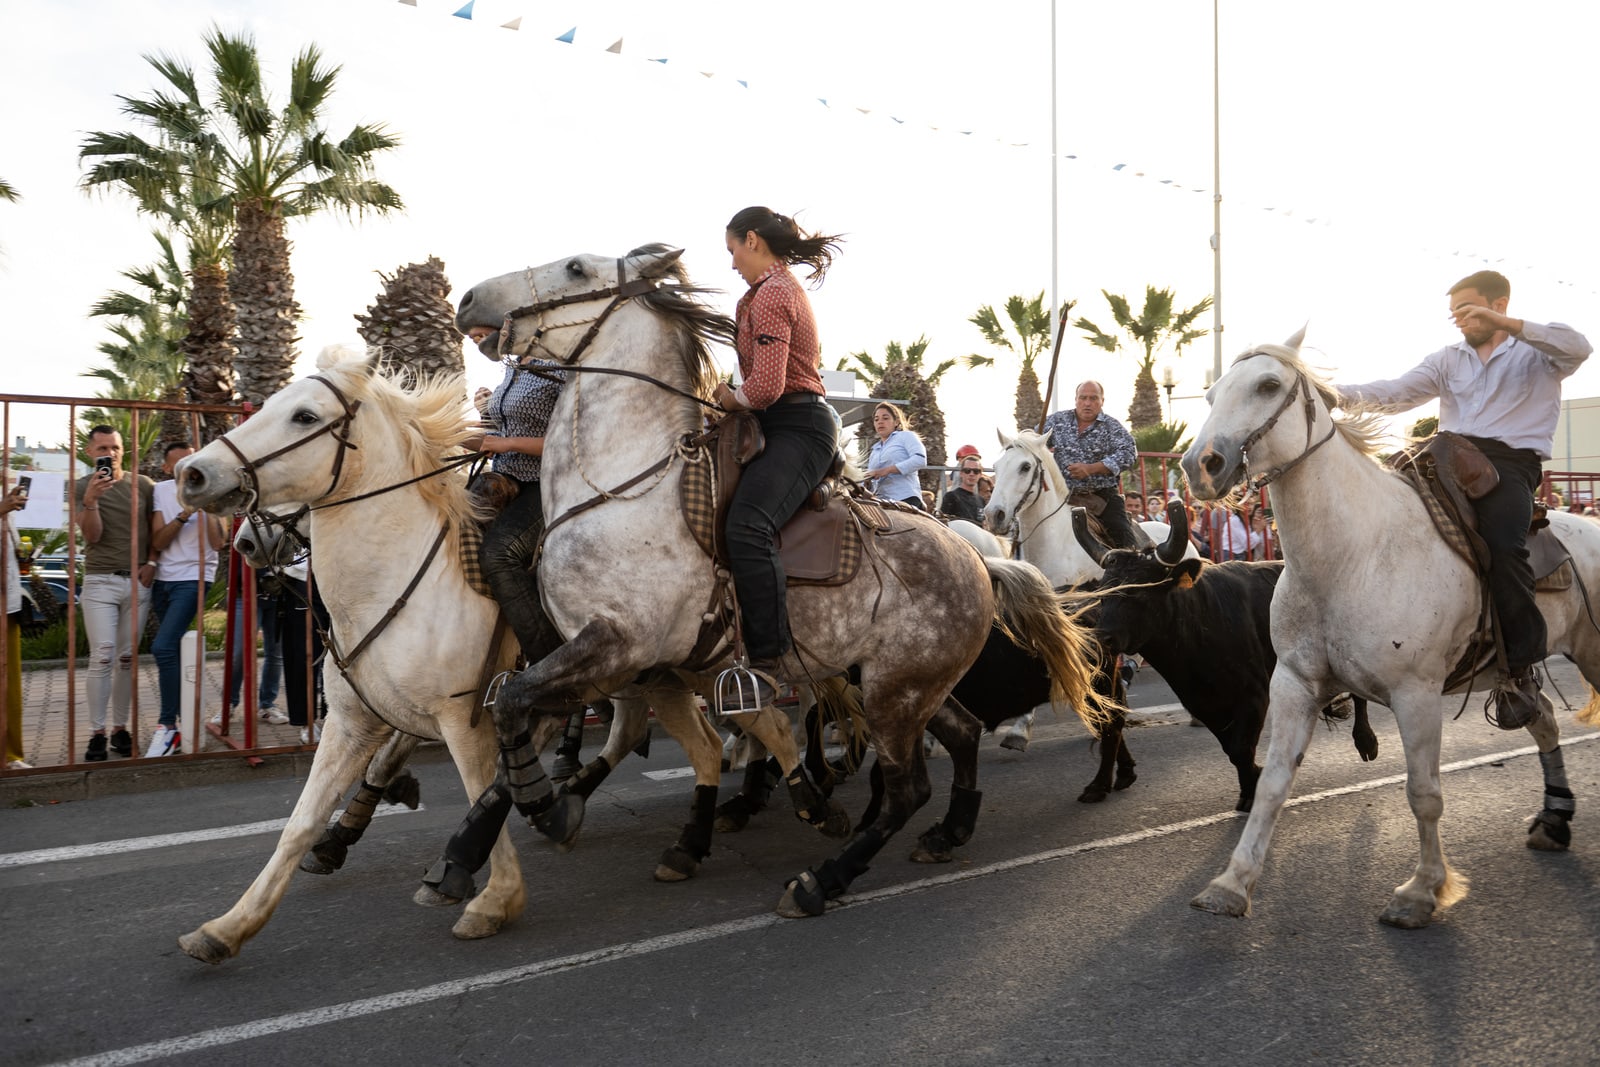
column 18, row 765
column 309, row 736
column 166, row 741
column 271, row 714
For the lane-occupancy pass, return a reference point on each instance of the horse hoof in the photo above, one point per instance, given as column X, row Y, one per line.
column 1220, row 901
column 405, row 789
column 1407, row 914
column 1124, row 780
column 921, row 854
column 803, row 898
column 1092, row 795
column 734, row 815
column 475, row 927
column 312, row 863
column 676, row 865
column 561, row 821
column 837, row 824
column 430, row 897
column 204, row 947
column 1367, row 745
column 1552, row 835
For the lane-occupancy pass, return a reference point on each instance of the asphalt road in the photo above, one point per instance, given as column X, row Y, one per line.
column 1062, row 933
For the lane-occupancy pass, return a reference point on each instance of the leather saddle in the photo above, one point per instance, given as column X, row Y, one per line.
column 1448, row 472
column 820, row 545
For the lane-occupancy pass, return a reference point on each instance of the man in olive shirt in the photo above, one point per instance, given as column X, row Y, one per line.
column 113, row 524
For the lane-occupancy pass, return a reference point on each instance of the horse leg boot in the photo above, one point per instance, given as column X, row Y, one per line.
column 386, row 780
column 906, row 789
column 772, row 730
column 625, row 729
column 1550, row 830
column 566, row 762
column 449, row 881
column 681, row 860
column 760, row 776
column 557, row 817
column 959, row 731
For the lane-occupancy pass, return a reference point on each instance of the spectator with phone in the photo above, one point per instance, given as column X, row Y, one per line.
column 113, row 508
column 15, row 500
column 183, row 544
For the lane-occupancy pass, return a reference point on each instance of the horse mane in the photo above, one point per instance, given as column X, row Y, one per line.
column 697, row 323
column 1363, row 429
column 1035, row 443
column 428, row 413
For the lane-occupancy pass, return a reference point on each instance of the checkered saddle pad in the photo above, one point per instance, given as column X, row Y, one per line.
column 470, row 539
column 816, row 547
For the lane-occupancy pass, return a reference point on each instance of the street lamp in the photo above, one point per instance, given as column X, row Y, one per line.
column 1169, row 382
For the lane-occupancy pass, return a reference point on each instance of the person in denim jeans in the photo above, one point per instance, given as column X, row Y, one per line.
column 271, row 665
column 113, row 509
column 183, row 544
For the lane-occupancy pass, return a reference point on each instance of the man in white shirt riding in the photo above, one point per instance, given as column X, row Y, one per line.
column 1500, row 386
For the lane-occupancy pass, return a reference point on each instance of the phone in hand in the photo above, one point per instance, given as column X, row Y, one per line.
column 103, row 465
column 24, row 483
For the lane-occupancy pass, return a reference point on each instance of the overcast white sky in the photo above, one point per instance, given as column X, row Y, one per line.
column 1422, row 138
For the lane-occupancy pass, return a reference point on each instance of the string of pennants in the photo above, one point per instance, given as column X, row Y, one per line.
column 465, row 11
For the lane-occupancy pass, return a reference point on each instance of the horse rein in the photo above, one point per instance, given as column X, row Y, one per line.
column 619, row 294
column 1300, row 385
column 1034, row 491
column 338, row 428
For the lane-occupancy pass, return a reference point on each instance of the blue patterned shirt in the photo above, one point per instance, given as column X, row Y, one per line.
column 1107, row 441
column 521, row 406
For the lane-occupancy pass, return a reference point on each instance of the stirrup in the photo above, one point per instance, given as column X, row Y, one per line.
column 742, row 683
column 491, row 692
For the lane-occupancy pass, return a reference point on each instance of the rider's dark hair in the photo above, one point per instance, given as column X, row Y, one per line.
column 787, row 240
column 1491, row 283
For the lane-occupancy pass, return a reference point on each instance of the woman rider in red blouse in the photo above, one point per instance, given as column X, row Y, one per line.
column 778, row 361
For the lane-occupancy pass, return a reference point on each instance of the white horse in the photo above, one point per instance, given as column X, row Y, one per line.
column 367, row 453
column 1371, row 601
column 1030, row 493
column 624, row 580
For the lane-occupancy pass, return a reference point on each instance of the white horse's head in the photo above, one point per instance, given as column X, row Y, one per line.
column 347, row 429
column 550, row 312
column 1267, row 412
column 1024, row 475
column 272, row 538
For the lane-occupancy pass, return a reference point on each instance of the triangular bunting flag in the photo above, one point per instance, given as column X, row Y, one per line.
column 466, row 11
column 742, row 82
column 1119, row 166
column 864, row 110
column 409, row 3
column 824, row 100
column 569, row 35
column 616, row 49
column 708, row 74
column 661, row 61
column 900, row 121
column 514, row 24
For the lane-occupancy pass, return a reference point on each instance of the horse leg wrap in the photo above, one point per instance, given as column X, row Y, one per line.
column 530, row 787
column 962, row 815
column 815, row 887
column 1555, row 775
column 759, row 781
column 450, row 880
column 694, row 843
column 334, row 846
column 572, row 736
column 809, row 803
column 588, row 778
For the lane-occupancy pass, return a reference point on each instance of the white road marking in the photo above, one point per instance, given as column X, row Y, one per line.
column 140, row 844
column 406, row 998
column 669, row 774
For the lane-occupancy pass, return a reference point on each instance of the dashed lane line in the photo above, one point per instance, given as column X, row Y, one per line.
column 408, row 998
column 140, row 844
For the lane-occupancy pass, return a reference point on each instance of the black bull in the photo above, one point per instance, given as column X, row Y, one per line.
column 1205, row 627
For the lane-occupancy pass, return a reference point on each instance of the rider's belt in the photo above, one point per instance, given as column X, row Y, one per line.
column 798, row 398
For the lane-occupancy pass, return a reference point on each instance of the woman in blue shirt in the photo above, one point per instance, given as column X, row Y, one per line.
column 897, row 455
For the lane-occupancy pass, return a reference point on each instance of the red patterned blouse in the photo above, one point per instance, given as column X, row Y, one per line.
column 777, row 340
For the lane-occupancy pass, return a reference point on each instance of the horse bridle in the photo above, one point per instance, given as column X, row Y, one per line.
column 338, row 428
column 1035, row 488
column 619, row 294
column 1300, row 385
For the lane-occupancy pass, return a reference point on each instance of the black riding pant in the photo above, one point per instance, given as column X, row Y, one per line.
column 1503, row 518
column 1119, row 530
column 509, row 545
column 801, row 440
column 300, row 626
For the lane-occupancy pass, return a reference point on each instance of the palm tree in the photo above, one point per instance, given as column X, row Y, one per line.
column 144, row 357
column 414, row 323
column 899, row 377
column 1156, row 325
column 1030, row 323
column 268, row 165
column 8, row 191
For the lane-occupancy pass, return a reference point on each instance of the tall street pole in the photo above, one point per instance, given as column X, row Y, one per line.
column 1216, row 200
column 1055, row 210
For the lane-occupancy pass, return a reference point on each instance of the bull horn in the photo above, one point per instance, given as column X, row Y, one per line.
column 1177, row 542
column 1080, row 530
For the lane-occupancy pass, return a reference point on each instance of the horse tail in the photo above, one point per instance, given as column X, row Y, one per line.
column 1590, row 715
column 1027, row 610
column 838, row 704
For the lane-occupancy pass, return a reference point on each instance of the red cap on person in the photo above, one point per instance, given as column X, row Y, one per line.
column 967, row 450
